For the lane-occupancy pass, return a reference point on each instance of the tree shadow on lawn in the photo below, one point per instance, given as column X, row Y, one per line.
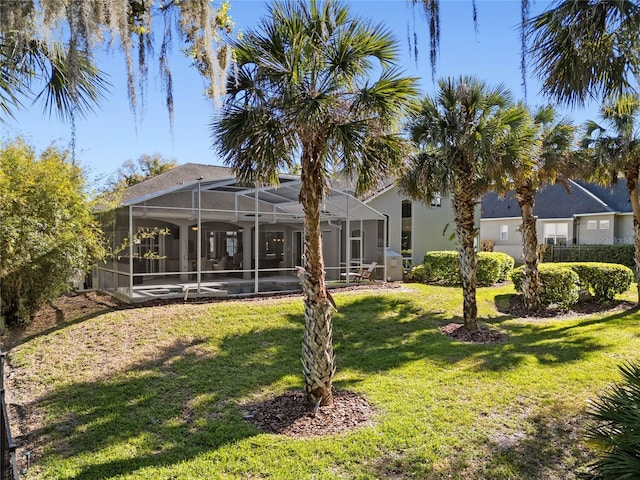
column 186, row 401
column 548, row 444
column 168, row 410
column 369, row 342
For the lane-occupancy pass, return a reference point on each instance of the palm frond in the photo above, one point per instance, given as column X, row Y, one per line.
column 586, row 49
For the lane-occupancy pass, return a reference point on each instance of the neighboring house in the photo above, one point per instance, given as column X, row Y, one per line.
column 196, row 230
column 587, row 214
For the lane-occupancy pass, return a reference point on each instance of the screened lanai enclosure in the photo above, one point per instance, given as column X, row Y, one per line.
column 220, row 237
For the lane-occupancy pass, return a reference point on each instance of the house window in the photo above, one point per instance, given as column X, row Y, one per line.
column 504, row 232
column 357, row 241
column 604, row 224
column 592, row 225
column 406, row 225
column 556, row 233
column 436, row 201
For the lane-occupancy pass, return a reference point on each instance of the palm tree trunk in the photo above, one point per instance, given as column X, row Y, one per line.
column 531, row 283
column 464, row 212
column 631, row 176
column 317, row 350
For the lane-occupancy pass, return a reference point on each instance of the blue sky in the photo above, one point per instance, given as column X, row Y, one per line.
column 111, row 136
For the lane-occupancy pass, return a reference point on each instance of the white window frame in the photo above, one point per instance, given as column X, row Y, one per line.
column 592, row 225
column 551, row 235
column 504, row 232
column 604, row 225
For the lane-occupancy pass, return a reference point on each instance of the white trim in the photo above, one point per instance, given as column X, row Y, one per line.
column 596, row 198
column 594, row 214
column 501, row 219
column 382, row 192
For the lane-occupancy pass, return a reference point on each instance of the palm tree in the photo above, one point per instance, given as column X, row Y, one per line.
column 616, row 152
column 549, row 145
column 300, row 93
column 464, row 134
column 63, row 57
column 585, row 49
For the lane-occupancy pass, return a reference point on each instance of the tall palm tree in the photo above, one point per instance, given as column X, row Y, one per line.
column 465, row 140
column 584, row 49
column 549, row 145
column 614, row 149
column 300, row 93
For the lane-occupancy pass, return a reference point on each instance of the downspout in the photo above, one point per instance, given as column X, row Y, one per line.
column 384, row 249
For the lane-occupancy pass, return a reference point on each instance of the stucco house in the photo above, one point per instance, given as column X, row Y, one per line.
column 586, row 214
column 196, row 230
column 413, row 227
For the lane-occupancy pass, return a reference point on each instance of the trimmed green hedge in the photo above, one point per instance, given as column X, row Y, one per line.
column 442, row 267
column 602, row 280
column 622, row 254
column 559, row 284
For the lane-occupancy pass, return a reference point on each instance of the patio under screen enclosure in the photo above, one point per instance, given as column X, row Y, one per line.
column 222, row 238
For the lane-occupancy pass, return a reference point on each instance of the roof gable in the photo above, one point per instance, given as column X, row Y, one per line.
column 552, row 201
column 186, row 174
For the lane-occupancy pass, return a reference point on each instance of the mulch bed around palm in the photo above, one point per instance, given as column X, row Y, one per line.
column 481, row 335
column 290, row 414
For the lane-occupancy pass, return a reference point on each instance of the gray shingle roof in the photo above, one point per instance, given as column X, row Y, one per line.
column 553, row 201
column 180, row 175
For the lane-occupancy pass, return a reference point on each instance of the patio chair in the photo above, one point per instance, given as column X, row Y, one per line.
column 363, row 274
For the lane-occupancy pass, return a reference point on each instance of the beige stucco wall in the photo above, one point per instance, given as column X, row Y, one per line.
column 624, row 228
column 597, row 236
column 433, row 228
column 490, row 230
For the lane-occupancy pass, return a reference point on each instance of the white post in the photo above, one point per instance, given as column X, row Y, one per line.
column 348, row 243
column 130, row 252
column 199, row 242
column 256, row 247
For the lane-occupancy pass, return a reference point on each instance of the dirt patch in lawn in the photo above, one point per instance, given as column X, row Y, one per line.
column 290, row 414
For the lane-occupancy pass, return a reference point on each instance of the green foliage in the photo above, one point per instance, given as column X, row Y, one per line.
column 622, row 254
column 417, row 273
column 616, row 428
column 506, row 262
column 145, row 167
column 48, row 232
column 560, row 284
column 175, row 405
column 603, row 280
column 442, row 267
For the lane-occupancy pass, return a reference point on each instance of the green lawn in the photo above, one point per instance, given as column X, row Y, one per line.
column 155, row 393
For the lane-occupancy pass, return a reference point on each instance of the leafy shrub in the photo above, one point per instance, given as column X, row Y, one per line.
column 417, row 274
column 559, row 284
column 506, row 263
column 616, row 428
column 603, row 280
column 442, row 267
column 487, row 245
column 489, row 268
